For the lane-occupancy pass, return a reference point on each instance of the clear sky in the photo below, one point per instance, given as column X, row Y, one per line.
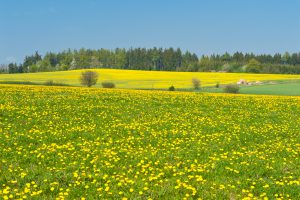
column 201, row 26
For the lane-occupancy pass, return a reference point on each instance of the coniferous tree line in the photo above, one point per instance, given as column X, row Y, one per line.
column 158, row 59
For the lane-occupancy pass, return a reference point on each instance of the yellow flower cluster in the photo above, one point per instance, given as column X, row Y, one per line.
column 77, row 143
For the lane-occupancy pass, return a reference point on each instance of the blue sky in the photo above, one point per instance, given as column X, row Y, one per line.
column 201, row 26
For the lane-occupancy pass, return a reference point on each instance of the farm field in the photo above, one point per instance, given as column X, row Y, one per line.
column 73, row 143
column 286, row 88
column 138, row 79
column 292, row 89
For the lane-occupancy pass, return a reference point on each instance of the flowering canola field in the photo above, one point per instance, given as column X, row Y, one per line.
column 78, row 143
column 146, row 79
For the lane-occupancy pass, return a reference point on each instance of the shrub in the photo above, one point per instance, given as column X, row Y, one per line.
column 218, row 85
column 88, row 78
column 172, row 88
column 232, row 88
column 196, row 83
column 52, row 83
column 108, row 85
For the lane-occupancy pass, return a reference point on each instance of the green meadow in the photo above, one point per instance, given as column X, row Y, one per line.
column 91, row 143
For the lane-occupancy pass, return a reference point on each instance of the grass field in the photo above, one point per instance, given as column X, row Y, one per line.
column 73, row 143
column 145, row 79
column 292, row 89
column 286, row 88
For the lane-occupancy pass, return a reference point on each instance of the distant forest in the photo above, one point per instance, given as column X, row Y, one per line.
column 159, row 59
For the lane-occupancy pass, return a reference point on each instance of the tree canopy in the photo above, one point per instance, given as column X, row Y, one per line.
column 159, row 59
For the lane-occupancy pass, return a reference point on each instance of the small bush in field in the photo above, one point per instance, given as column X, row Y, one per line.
column 232, row 88
column 88, row 78
column 52, row 83
column 172, row 88
column 196, row 83
column 108, row 85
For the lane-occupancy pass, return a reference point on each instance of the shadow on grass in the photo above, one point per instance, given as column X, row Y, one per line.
column 47, row 83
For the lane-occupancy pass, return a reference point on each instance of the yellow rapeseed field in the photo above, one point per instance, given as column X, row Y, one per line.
column 146, row 79
column 82, row 143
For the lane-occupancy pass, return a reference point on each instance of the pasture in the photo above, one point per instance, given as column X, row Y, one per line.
column 91, row 143
column 292, row 89
column 287, row 88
